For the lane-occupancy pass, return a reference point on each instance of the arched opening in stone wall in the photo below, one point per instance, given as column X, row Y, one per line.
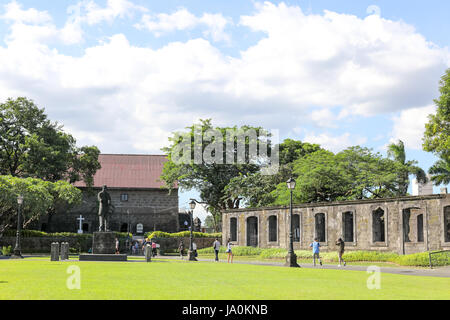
column 296, row 227
column 347, row 226
column 378, row 225
column 252, row 231
column 85, row 227
column 447, row 224
column 406, row 224
column 320, row 227
column 273, row 229
column 420, row 228
column 233, row 229
column 124, row 227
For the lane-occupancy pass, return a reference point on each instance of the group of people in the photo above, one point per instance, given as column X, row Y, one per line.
column 216, row 247
column 316, row 251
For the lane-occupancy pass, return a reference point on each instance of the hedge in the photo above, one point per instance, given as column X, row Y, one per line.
column 182, row 234
column 36, row 234
column 417, row 259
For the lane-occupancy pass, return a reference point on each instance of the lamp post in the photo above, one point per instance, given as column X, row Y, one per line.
column 191, row 256
column 291, row 258
column 17, row 251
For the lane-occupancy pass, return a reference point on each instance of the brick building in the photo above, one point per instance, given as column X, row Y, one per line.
column 139, row 203
column 403, row 225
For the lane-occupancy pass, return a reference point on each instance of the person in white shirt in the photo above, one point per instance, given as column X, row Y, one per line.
column 230, row 253
column 216, row 247
column 194, row 249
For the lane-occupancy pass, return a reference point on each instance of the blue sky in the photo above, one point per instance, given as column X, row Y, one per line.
column 123, row 74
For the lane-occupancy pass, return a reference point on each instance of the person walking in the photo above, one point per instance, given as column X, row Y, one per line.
column 181, row 248
column 315, row 248
column 229, row 251
column 216, row 246
column 341, row 245
column 194, row 249
column 154, row 248
column 117, row 246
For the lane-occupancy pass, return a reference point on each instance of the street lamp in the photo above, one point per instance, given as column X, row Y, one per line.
column 17, row 251
column 191, row 256
column 291, row 258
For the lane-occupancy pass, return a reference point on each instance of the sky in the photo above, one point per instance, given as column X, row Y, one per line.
column 124, row 74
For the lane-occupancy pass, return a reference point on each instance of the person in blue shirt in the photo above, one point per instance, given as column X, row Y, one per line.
column 315, row 247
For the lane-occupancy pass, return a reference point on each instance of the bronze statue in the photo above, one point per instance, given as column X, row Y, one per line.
column 104, row 200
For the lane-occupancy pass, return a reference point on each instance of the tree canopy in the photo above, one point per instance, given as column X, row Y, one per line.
column 437, row 133
column 33, row 146
column 40, row 197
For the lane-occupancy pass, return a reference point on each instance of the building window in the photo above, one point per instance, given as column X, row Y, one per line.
column 124, row 227
column 272, row 228
column 406, row 225
column 252, row 232
column 378, row 225
column 124, row 197
column 296, row 227
column 347, row 225
column 85, row 227
column 420, row 228
column 233, row 229
column 447, row 223
column 320, row 227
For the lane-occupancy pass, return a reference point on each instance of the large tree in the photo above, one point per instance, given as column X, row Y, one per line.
column 33, row 146
column 396, row 151
column 40, row 198
column 210, row 178
column 437, row 133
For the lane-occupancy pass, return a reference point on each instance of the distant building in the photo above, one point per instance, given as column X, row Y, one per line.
column 422, row 189
column 139, row 203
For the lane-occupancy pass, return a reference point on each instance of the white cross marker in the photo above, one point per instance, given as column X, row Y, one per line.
column 80, row 230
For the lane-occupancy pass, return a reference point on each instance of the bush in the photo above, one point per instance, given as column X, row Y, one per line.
column 6, row 251
column 182, row 234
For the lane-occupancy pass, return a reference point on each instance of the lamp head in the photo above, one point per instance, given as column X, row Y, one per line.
column 291, row 184
column 20, row 199
column 192, row 204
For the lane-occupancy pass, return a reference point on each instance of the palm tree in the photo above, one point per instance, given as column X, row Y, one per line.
column 440, row 172
column 397, row 153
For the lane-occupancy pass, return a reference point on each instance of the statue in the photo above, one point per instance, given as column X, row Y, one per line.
column 104, row 200
column 197, row 224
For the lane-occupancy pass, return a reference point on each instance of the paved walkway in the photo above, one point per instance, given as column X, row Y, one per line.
column 411, row 271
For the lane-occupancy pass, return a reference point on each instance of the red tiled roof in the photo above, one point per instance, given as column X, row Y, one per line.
column 128, row 171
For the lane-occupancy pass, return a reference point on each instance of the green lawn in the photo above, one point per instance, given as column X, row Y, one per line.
column 182, row 280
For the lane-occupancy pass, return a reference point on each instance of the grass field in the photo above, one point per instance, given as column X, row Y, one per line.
column 181, row 280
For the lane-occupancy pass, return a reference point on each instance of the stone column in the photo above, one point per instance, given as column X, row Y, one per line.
column 64, row 251
column 54, row 251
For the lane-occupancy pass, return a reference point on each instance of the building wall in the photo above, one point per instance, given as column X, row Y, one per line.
column 432, row 208
column 155, row 209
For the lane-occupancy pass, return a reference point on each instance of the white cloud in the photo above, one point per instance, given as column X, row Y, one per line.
column 335, row 143
column 182, row 19
column 114, row 9
column 409, row 126
column 15, row 13
column 130, row 98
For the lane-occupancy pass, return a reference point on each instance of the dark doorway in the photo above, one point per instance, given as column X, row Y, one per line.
column 320, row 226
column 124, row 227
column 85, row 227
column 296, row 227
column 420, row 228
column 252, row 232
column 378, row 225
column 347, row 224
column 233, row 229
column 447, row 223
column 44, row 227
column 272, row 228
column 406, row 226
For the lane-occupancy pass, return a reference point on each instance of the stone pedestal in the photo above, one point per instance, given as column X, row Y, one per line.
column 104, row 243
column 103, row 248
column 291, row 261
column 54, row 251
column 64, row 251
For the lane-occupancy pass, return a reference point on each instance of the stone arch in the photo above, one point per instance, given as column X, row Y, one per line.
column 273, row 229
column 447, row 224
column 320, row 228
column 252, row 231
column 296, row 227
column 420, row 227
column 378, row 225
column 233, row 229
column 348, row 231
